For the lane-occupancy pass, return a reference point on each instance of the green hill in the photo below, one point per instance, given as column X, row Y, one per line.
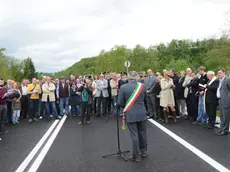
column 178, row 54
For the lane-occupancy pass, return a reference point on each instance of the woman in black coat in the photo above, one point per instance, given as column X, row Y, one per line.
column 75, row 99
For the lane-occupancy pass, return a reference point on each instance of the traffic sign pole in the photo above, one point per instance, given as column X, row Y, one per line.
column 127, row 65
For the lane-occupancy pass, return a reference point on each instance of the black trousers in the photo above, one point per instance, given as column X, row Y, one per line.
column 85, row 111
column 108, row 104
column 211, row 113
column 192, row 105
column 34, row 107
column 101, row 102
column 24, row 106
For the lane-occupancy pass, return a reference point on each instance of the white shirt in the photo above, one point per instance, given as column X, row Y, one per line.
column 218, row 89
column 24, row 90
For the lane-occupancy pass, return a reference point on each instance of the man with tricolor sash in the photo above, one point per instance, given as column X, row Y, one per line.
column 131, row 98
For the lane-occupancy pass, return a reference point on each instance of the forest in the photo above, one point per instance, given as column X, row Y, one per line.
column 212, row 53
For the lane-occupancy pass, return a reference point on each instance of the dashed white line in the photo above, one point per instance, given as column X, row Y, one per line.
column 196, row 151
column 26, row 162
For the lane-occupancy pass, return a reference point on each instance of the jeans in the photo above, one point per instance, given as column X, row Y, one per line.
column 202, row 116
column 41, row 107
column 64, row 102
column 9, row 112
column 54, row 109
column 74, row 109
column 16, row 115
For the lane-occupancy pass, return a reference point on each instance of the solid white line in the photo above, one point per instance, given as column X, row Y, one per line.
column 25, row 163
column 46, row 148
column 196, row 151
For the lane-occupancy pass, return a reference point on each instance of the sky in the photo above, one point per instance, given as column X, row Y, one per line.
column 58, row 33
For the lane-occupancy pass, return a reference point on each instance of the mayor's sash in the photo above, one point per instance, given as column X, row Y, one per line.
column 131, row 101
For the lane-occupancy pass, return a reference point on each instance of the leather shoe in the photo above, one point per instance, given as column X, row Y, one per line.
column 134, row 159
column 143, row 155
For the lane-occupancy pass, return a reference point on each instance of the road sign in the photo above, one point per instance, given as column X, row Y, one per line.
column 127, row 64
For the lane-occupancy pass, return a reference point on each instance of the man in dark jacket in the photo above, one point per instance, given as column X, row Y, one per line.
column 211, row 101
column 135, row 115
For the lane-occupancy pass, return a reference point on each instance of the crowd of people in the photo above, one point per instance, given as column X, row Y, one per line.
column 193, row 96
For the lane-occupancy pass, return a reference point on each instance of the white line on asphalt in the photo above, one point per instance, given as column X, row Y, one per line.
column 196, row 151
column 25, row 163
column 46, row 148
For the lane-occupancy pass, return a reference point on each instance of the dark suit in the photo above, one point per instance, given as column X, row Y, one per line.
column 225, row 104
column 192, row 99
column 211, row 102
column 149, row 84
column 135, row 118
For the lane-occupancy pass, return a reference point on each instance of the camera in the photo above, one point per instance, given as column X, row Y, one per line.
column 13, row 94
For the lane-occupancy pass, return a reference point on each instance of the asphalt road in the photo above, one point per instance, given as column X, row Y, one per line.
column 79, row 148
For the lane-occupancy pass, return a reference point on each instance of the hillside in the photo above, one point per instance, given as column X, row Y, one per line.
column 178, row 54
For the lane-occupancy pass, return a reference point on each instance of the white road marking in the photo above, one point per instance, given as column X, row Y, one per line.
column 25, row 163
column 196, row 151
column 46, row 148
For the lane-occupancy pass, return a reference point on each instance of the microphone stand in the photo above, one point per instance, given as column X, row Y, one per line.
column 119, row 152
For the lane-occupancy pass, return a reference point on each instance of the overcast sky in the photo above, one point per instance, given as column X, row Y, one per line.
column 57, row 33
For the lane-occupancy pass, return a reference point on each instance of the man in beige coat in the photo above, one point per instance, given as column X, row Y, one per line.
column 48, row 97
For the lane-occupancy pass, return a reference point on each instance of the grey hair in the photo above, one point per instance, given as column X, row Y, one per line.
column 133, row 75
column 210, row 73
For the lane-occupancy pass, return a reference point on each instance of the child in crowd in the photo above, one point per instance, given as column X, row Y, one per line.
column 16, row 105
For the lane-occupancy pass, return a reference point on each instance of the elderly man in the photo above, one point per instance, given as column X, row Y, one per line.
column 210, row 98
column 150, row 83
column 48, row 96
column 223, row 94
column 101, row 95
column 186, row 82
column 135, row 114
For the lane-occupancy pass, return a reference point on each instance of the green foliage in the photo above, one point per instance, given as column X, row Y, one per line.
column 29, row 69
column 178, row 54
column 12, row 68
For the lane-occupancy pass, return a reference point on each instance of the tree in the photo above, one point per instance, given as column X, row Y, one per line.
column 29, row 69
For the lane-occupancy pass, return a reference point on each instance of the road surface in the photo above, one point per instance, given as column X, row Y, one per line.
column 69, row 147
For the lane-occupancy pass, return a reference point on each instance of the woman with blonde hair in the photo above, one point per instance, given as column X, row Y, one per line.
column 167, row 96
